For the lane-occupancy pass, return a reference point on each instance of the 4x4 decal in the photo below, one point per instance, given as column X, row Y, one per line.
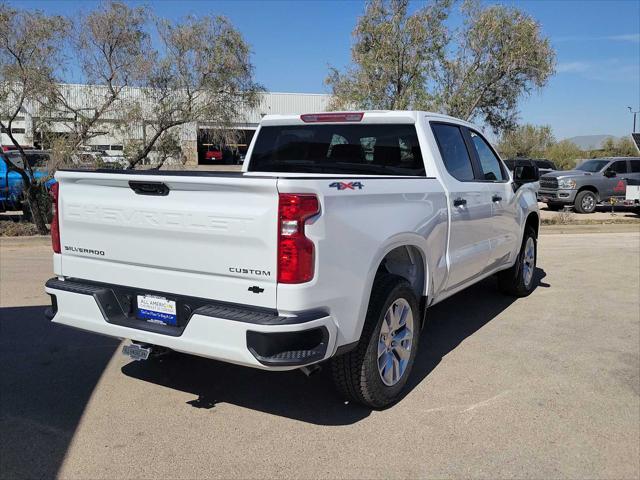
column 346, row 185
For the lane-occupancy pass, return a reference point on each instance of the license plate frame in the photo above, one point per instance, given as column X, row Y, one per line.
column 157, row 309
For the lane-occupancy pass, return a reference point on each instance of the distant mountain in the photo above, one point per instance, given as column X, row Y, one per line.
column 590, row 142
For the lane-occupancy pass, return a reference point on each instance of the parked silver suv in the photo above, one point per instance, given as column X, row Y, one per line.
column 592, row 182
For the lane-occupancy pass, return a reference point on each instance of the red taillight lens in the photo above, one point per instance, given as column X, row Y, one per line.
column 295, row 251
column 332, row 117
column 55, row 224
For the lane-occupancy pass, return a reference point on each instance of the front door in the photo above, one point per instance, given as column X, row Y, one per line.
column 505, row 229
column 469, row 204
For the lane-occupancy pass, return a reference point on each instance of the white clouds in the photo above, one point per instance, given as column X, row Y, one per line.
column 613, row 69
column 572, row 67
column 629, row 37
column 626, row 37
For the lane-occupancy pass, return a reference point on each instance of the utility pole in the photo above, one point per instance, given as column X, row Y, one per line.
column 634, row 118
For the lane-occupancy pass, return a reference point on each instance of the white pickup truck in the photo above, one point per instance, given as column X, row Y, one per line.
column 339, row 233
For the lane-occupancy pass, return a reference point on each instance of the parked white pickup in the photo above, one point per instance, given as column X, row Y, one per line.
column 337, row 235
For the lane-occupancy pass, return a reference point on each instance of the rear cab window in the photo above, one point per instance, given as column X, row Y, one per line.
column 453, row 150
column 367, row 149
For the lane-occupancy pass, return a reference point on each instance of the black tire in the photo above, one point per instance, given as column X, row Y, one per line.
column 555, row 206
column 356, row 373
column 582, row 203
column 512, row 281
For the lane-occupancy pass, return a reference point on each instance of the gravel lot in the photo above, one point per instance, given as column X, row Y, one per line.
column 542, row 387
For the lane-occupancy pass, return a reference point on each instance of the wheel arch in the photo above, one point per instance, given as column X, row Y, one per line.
column 410, row 247
column 533, row 221
column 409, row 262
column 590, row 188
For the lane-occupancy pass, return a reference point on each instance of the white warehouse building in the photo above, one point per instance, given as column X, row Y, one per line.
column 193, row 136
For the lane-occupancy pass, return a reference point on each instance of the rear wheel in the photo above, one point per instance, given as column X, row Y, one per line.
column 518, row 280
column 585, row 202
column 376, row 371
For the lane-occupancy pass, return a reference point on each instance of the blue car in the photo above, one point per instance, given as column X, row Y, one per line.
column 11, row 197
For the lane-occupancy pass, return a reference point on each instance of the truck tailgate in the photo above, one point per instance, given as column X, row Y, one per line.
column 210, row 236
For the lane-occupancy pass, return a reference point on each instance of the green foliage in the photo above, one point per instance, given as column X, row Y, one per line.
column 479, row 71
column 394, row 57
column 565, row 154
column 527, row 140
column 619, row 147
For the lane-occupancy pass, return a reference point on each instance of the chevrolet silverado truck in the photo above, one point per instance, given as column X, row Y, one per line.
column 592, row 182
column 330, row 245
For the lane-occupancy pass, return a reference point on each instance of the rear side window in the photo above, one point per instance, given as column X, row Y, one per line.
column 453, row 151
column 369, row 149
column 489, row 162
column 635, row 166
column 619, row 167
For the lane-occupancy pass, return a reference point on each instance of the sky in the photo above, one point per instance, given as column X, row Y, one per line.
column 293, row 42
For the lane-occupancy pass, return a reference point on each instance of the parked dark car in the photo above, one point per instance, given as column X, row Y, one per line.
column 544, row 166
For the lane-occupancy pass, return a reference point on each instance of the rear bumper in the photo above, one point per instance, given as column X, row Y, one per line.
column 236, row 334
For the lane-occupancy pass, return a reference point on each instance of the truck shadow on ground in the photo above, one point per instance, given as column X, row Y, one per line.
column 313, row 399
column 47, row 375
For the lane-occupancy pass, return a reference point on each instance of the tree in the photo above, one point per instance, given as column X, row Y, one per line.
column 564, row 154
column 203, row 73
column 527, row 140
column 197, row 70
column 113, row 53
column 30, row 45
column 620, row 147
column 476, row 72
column 393, row 56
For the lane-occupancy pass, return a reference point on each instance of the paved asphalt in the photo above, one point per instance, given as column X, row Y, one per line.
column 542, row 387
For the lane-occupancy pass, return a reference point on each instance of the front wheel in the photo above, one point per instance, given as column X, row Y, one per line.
column 376, row 371
column 586, row 202
column 518, row 280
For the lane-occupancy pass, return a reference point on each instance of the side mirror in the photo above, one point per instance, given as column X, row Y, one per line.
column 609, row 173
column 525, row 174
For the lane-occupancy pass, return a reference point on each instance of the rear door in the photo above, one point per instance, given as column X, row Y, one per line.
column 204, row 236
column 634, row 171
column 470, row 206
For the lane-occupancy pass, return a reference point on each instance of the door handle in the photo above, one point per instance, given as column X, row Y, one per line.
column 149, row 188
column 459, row 202
column 496, row 198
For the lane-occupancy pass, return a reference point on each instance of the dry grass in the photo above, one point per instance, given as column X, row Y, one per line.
column 9, row 228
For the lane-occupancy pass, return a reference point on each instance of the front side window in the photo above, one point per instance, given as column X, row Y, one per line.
column 592, row 166
column 635, row 166
column 369, row 149
column 454, row 151
column 490, row 164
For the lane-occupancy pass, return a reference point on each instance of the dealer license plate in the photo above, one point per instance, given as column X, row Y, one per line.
column 157, row 310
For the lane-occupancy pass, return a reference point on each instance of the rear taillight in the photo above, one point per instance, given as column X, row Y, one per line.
column 55, row 224
column 295, row 251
